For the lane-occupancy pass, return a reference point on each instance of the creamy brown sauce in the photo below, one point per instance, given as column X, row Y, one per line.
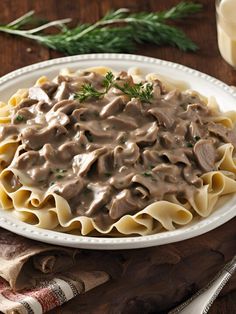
column 115, row 155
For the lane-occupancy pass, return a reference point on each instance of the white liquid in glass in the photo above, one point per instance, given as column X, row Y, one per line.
column 226, row 28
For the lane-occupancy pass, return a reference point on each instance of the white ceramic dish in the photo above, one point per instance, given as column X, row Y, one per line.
column 201, row 82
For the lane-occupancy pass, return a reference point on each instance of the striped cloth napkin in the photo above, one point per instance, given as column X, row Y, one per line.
column 36, row 277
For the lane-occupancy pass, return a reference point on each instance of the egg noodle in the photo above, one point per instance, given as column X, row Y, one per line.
column 47, row 209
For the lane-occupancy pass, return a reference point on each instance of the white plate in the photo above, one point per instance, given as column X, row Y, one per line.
column 203, row 83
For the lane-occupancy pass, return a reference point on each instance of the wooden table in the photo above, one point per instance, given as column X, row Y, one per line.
column 14, row 52
column 202, row 29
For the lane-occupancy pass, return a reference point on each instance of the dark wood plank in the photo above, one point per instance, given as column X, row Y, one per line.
column 225, row 304
column 202, row 29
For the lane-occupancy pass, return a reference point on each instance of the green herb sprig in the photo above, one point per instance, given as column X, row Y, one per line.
column 140, row 91
column 147, row 174
column 20, row 118
column 143, row 92
column 195, row 140
column 117, row 31
column 88, row 91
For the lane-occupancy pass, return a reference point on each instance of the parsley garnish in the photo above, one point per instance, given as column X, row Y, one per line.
column 20, row 118
column 144, row 92
column 197, row 138
column 141, row 91
column 188, row 144
column 60, row 170
column 87, row 92
column 107, row 174
column 122, row 140
column 89, row 136
column 147, row 174
column 107, row 83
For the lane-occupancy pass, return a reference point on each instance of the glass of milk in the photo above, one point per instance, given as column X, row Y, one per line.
column 226, row 29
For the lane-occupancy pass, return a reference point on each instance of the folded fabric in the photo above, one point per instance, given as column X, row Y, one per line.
column 37, row 277
column 148, row 280
column 48, row 294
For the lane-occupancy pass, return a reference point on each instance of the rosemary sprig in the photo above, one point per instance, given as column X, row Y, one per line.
column 181, row 10
column 140, row 91
column 127, row 30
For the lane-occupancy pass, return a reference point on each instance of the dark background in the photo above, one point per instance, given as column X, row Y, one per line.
column 201, row 28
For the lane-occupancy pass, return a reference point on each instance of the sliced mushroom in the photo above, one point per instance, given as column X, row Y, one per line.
column 57, row 118
column 173, row 96
column 146, row 134
column 126, row 155
column 49, row 88
column 122, row 123
column 105, row 164
column 181, row 127
column 79, row 114
column 168, row 172
column 150, row 157
column 121, row 180
column 195, row 131
column 69, row 189
column 101, row 197
column 133, row 107
column 8, row 131
column 123, row 203
column 94, row 132
column 175, row 156
column 192, row 176
column 36, row 138
column 39, row 174
column 37, row 93
column 167, row 139
column 112, row 107
column 148, row 181
column 225, row 134
column 63, row 92
column 83, row 162
column 205, row 154
column 27, row 160
column 163, row 117
column 24, row 114
column 26, row 103
column 66, row 106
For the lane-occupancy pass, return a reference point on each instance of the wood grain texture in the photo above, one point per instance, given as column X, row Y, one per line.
column 201, row 28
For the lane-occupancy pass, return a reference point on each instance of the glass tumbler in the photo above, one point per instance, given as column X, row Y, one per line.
column 226, row 30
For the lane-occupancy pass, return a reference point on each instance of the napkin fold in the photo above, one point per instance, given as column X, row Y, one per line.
column 37, row 277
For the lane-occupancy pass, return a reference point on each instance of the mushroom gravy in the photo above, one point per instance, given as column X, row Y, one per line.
column 115, row 155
